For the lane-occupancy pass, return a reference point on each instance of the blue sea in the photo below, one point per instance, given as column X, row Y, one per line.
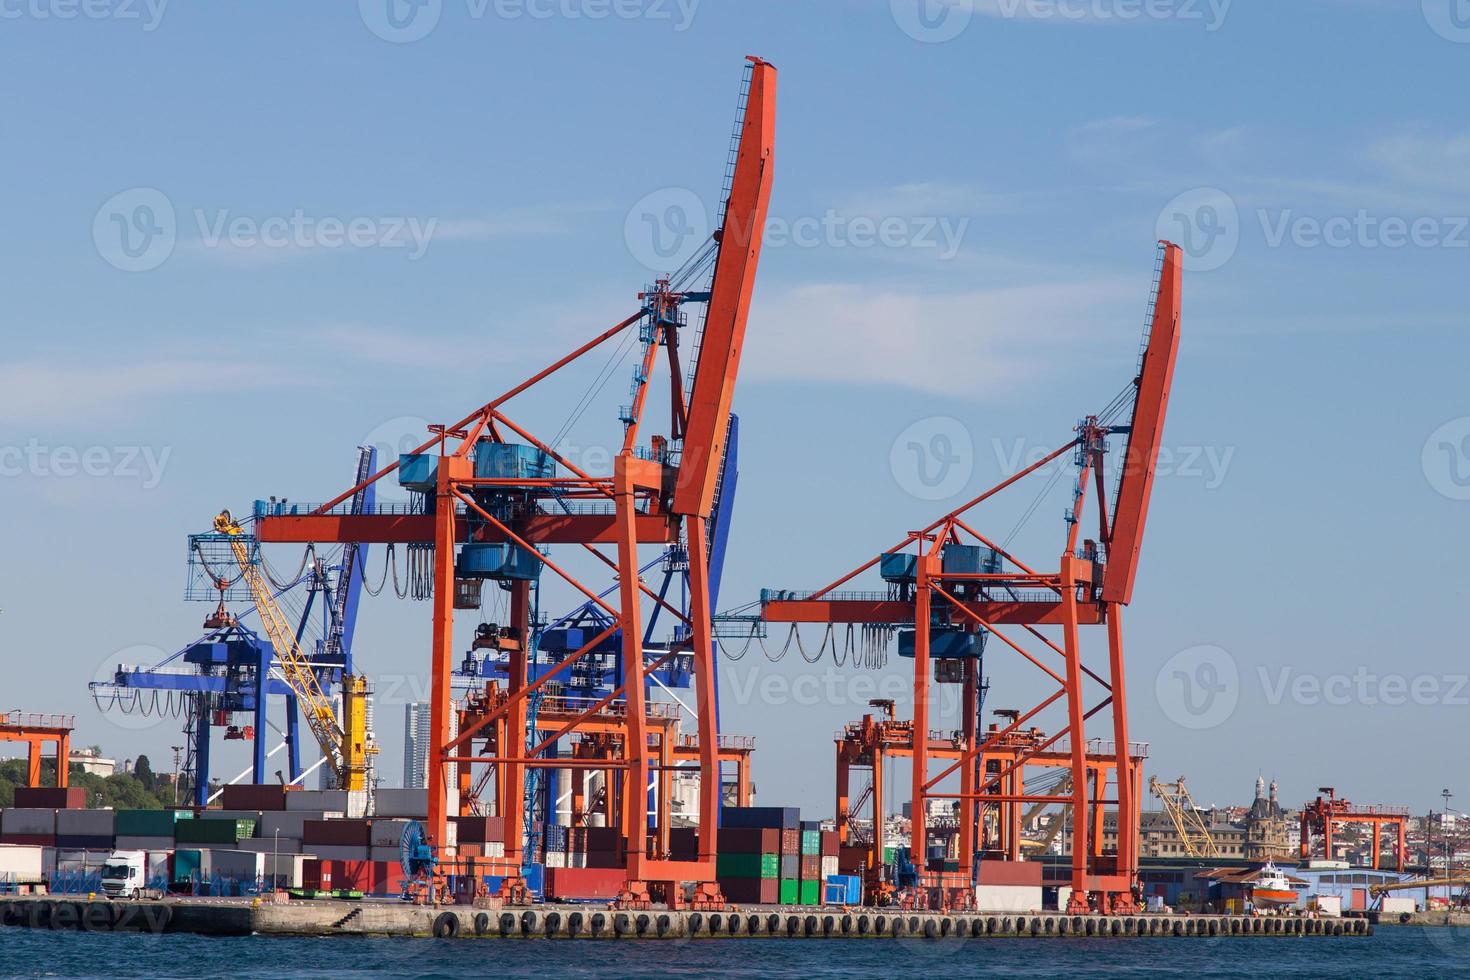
column 1393, row 951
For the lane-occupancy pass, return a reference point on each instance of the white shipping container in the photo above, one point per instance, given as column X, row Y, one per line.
column 84, row 823
column 271, row 845
column 1398, row 905
column 556, row 859
column 413, row 803
column 496, row 849
column 126, row 843
column 21, row 860
column 158, row 864
column 1008, row 898
column 357, row 803
column 339, row 852
column 28, row 820
column 829, row 867
column 388, row 833
column 1329, row 905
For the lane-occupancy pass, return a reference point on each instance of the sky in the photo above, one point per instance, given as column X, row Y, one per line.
column 242, row 238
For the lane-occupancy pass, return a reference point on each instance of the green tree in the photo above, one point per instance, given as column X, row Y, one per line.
column 143, row 773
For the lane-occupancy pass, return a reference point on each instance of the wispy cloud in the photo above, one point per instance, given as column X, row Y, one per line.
column 62, row 391
column 977, row 344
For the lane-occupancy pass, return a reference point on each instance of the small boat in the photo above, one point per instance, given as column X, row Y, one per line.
column 1272, row 889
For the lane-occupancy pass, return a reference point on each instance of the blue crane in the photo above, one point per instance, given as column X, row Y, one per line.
column 231, row 669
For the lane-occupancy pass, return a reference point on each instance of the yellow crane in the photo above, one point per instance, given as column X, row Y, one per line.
column 343, row 741
column 1179, row 805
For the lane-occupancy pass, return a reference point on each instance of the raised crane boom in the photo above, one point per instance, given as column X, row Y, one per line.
column 345, row 747
column 1146, row 432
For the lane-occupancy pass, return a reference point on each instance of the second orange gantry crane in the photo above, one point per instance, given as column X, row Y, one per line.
column 955, row 587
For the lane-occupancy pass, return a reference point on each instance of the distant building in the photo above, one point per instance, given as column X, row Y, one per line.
column 92, row 761
column 416, row 745
column 1270, row 830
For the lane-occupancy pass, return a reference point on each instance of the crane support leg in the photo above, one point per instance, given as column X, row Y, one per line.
column 704, row 681
column 1076, row 723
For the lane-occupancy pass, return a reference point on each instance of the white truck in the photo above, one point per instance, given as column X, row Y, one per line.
column 125, row 875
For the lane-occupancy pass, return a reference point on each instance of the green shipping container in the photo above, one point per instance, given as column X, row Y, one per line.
column 887, row 855
column 811, row 893
column 790, row 891
column 748, row 866
column 811, row 842
column 144, row 823
column 207, row 831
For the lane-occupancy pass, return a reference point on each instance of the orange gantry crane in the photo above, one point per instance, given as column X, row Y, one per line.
column 37, row 731
column 950, row 588
column 1322, row 817
column 495, row 506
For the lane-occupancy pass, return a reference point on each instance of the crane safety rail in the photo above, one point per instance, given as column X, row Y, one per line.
column 1105, row 747
column 17, row 719
column 1341, row 808
column 999, row 594
column 573, row 508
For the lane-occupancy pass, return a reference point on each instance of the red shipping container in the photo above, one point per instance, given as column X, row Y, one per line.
column 346, row 833
column 35, row 840
column 811, row 867
column 249, row 796
column 852, row 860
column 830, row 843
column 1011, row 873
column 791, row 841
column 749, row 840
column 356, row 876
column 50, row 798
column 751, row 891
column 584, row 883
column 480, row 830
column 316, row 875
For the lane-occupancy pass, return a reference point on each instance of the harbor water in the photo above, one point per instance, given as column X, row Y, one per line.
column 1391, row 951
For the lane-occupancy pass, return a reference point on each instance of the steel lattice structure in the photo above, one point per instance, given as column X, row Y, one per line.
column 951, row 582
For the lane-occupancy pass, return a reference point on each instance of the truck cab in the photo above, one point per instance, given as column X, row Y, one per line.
column 125, row 874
